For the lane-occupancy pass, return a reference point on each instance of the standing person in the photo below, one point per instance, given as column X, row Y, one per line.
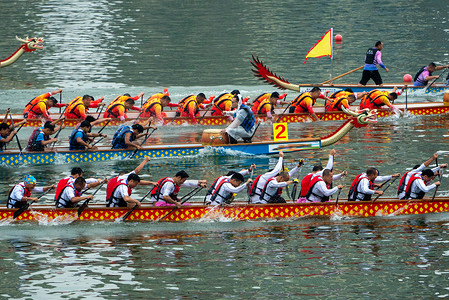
column 243, row 126
column 373, row 58
column 362, row 188
column 39, row 106
column 425, row 74
column 78, row 107
column 71, row 194
column 120, row 106
column 21, row 193
column 119, row 188
column 226, row 188
column 165, row 193
column 319, row 187
column 79, row 139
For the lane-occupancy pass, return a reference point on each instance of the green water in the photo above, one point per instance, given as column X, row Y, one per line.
column 106, row 48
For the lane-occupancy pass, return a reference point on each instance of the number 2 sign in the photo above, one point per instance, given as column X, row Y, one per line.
column 280, row 132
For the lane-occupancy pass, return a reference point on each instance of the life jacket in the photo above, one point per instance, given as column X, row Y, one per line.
column 212, row 187
column 408, row 189
column 299, row 101
column 118, row 140
column 30, row 106
column 216, row 192
column 148, row 106
column 263, row 104
column 17, row 203
column 370, row 55
column 61, row 185
column 335, row 105
column 72, row 107
column 337, row 94
column 31, row 139
column 185, row 104
column 74, row 145
column 310, row 192
column 220, row 101
column 253, row 189
column 402, row 183
column 65, row 203
column 249, row 121
column 113, row 184
column 366, row 100
column 376, row 105
column 305, row 182
column 111, row 112
column 264, row 190
column 416, row 78
column 35, row 146
column 259, row 100
column 156, row 191
column 353, row 190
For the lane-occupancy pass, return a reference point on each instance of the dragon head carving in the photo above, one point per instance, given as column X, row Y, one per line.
column 31, row 44
column 362, row 117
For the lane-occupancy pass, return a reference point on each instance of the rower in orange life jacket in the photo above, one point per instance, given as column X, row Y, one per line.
column 222, row 103
column 336, row 104
column 346, row 92
column 154, row 106
column 120, row 105
column 304, row 102
column 39, row 106
column 190, row 106
column 77, row 108
column 376, row 99
column 265, row 104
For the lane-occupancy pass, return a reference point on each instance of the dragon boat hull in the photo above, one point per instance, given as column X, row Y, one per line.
column 386, row 207
column 421, row 109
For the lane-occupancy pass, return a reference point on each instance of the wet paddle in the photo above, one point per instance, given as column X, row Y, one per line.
column 125, row 216
column 440, row 176
column 84, row 205
column 339, row 190
column 25, row 207
column 187, row 198
column 57, row 134
column 207, row 110
column 144, row 141
column 99, row 131
column 386, row 187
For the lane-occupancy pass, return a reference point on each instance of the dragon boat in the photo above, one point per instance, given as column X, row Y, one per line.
column 211, row 140
column 261, row 71
column 28, row 45
column 421, row 109
column 238, row 211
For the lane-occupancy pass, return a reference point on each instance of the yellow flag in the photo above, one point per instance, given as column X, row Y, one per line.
column 323, row 47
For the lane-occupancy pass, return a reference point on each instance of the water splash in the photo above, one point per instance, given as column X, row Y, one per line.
column 44, row 220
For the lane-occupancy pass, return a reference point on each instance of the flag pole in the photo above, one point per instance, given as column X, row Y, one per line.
column 332, row 52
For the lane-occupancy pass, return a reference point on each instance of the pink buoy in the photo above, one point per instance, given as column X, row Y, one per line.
column 338, row 39
column 407, row 78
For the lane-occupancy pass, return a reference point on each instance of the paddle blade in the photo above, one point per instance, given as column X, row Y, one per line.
column 21, row 210
column 82, row 208
column 129, row 213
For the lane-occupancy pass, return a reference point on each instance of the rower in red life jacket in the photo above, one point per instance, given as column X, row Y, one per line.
column 74, row 174
column 21, row 193
column 362, row 188
column 226, row 188
column 266, row 103
column 77, row 108
column 39, row 106
column 319, row 187
column 120, row 106
column 71, row 194
column 119, row 188
column 165, row 193
column 339, row 102
column 243, row 172
column 272, row 190
column 346, row 92
column 417, row 168
column 376, row 99
column 417, row 186
column 304, row 102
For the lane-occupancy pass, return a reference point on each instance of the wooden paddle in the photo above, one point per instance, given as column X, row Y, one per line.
column 386, row 187
column 25, row 207
column 339, row 76
column 429, row 85
column 84, row 205
column 339, row 190
column 17, row 138
column 125, row 216
column 57, row 134
column 101, row 110
column 277, row 121
column 207, row 110
column 440, row 176
column 193, row 193
column 99, row 131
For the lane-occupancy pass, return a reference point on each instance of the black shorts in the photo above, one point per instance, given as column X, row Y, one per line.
column 374, row 75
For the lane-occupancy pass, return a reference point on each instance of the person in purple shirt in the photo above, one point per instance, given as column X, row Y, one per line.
column 373, row 58
column 425, row 74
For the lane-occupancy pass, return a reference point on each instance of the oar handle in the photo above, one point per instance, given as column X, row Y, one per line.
column 277, row 121
column 386, row 187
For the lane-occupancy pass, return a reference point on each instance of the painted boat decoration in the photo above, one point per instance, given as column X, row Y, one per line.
column 211, row 142
column 148, row 213
column 264, row 73
column 421, row 109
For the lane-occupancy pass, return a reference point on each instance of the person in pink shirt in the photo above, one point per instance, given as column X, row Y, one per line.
column 425, row 74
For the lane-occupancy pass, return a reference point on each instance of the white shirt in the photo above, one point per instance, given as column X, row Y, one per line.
column 122, row 190
column 321, row 190
column 363, row 187
column 225, row 191
column 271, row 190
column 88, row 180
column 263, row 179
column 409, row 174
column 168, row 188
column 419, row 185
column 19, row 191
column 243, row 172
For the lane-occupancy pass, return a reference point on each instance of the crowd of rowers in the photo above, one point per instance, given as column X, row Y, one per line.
column 265, row 188
column 230, row 104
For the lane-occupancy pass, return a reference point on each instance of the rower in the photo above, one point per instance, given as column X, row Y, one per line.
column 119, row 188
column 417, row 186
column 425, row 74
column 79, row 139
column 265, row 104
column 37, row 130
column 154, row 106
column 125, row 135
column 190, row 106
column 243, row 126
column 243, row 172
column 336, row 104
column 362, row 188
column 416, row 169
column 120, row 106
column 77, row 108
column 39, row 106
column 223, row 103
column 21, row 193
column 376, row 99
column 7, row 134
column 165, row 193
column 75, row 173
column 319, row 187
column 272, row 190
column 71, row 194
column 226, row 188
column 41, row 138
column 305, row 102
column 346, row 92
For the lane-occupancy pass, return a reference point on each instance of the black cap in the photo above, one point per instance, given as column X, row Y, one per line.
column 201, row 95
column 235, row 92
column 53, row 99
column 275, row 95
